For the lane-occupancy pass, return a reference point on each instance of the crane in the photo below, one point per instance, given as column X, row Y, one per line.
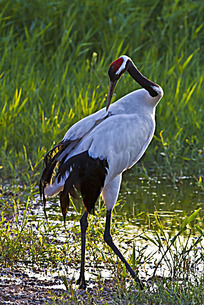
column 97, row 149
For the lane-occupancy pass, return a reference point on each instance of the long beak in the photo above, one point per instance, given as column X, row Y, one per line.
column 110, row 93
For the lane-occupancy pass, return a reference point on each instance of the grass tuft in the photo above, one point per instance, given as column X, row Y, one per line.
column 53, row 71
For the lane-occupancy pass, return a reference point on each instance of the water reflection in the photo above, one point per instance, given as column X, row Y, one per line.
column 173, row 202
column 134, row 216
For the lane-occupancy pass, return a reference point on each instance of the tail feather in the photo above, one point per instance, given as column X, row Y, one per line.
column 57, row 155
column 87, row 175
column 51, row 159
column 53, row 153
column 81, row 172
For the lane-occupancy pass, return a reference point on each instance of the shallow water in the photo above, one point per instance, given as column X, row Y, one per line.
column 172, row 201
column 139, row 199
column 133, row 217
column 134, row 213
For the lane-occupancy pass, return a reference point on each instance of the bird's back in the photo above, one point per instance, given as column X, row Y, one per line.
column 118, row 137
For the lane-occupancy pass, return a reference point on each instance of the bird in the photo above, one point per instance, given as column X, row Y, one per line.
column 96, row 150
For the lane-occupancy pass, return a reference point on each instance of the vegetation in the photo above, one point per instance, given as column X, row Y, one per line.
column 54, row 57
column 29, row 242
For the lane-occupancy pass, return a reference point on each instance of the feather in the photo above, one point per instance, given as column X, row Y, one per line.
column 87, row 175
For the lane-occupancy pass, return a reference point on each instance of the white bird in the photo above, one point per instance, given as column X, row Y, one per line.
column 96, row 151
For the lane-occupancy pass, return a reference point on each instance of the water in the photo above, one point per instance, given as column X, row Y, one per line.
column 134, row 214
column 173, row 202
column 138, row 196
column 133, row 219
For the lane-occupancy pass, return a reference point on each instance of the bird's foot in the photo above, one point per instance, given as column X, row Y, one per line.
column 140, row 283
column 81, row 282
column 82, row 285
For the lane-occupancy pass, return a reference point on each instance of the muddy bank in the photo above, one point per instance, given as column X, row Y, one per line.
column 16, row 287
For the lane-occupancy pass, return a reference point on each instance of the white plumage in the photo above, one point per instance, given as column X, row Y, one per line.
column 102, row 146
column 121, row 137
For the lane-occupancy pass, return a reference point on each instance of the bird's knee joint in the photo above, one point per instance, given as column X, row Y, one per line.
column 107, row 238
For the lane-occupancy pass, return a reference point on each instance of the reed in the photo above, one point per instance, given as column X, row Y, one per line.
column 53, row 71
column 172, row 268
column 54, row 57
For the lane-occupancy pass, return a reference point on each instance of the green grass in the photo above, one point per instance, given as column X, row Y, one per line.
column 54, row 58
column 27, row 240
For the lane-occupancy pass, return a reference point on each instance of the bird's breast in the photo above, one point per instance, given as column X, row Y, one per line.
column 126, row 142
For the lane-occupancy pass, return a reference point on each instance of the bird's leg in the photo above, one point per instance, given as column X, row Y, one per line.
column 109, row 241
column 84, row 224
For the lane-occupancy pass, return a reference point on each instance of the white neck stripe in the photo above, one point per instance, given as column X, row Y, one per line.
column 122, row 67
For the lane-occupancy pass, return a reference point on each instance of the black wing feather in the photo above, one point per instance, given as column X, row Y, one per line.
column 87, row 175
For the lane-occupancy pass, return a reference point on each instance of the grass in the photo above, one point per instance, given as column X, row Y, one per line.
column 171, row 269
column 53, row 71
column 54, row 57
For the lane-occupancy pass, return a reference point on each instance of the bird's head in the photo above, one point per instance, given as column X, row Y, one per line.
column 116, row 69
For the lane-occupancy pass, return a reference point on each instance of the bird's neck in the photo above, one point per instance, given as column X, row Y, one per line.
column 142, row 80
